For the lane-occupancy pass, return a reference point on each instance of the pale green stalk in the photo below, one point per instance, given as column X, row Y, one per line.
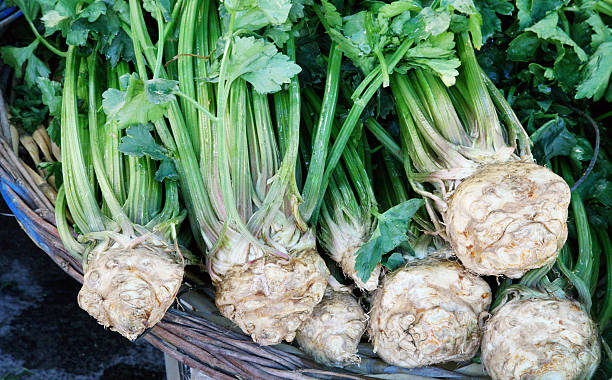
column 194, row 191
column 80, row 195
column 316, row 168
column 187, row 84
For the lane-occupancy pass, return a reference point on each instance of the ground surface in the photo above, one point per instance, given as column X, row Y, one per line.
column 43, row 332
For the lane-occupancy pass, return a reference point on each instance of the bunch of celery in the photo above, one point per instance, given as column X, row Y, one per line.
column 127, row 219
column 236, row 152
column 500, row 212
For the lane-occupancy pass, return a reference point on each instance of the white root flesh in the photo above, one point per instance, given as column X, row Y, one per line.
column 540, row 339
column 508, row 218
column 129, row 289
column 428, row 313
column 332, row 332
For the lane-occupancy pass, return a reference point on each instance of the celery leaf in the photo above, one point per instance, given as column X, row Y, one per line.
column 17, row 56
column 489, row 9
column 530, row 12
column 163, row 6
column 138, row 141
column 253, row 15
column 548, row 30
column 29, row 8
column 396, row 8
column 166, row 170
column 140, row 103
column 394, row 261
column 261, row 64
column 389, row 234
column 51, row 94
column 552, row 139
column 331, row 15
column 598, row 71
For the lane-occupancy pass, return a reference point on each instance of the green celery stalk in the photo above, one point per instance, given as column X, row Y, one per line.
column 584, row 262
column 185, row 62
column 316, row 168
column 489, row 135
column 114, row 161
column 353, row 118
column 80, row 195
column 606, row 308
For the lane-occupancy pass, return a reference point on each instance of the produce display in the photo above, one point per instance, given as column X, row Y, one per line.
column 425, row 181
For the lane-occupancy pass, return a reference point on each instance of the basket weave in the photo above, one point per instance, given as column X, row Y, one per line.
column 192, row 331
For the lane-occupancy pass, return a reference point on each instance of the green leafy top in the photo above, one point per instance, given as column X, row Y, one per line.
column 38, row 86
column 138, row 142
column 565, row 43
column 98, row 21
column 367, row 36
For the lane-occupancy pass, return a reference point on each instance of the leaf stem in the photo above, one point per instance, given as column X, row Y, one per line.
column 75, row 248
column 490, row 136
column 197, row 105
column 385, row 139
column 186, row 72
column 606, row 310
column 175, row 12
column 160, row 42
column 80, row 195
column 42, row 39
column 352, row 119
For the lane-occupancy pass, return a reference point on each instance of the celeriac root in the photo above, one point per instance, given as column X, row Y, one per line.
column 428, row 313
column 540, row 338
column 332, row 332
column 270, row 297
column 508, row 218
column 129, row 289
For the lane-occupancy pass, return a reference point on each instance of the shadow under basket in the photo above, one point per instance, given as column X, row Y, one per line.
column 192, row 331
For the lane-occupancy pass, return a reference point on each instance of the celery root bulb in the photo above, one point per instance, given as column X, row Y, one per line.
column 269, row 296
column 332, row 332
column 508, row 218
column 543, row 338
column 428, row 313
column 129, row 289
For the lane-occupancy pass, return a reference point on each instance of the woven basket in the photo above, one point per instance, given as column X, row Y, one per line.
column 192, row 331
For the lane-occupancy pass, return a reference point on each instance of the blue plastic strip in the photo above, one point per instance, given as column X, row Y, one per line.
column 4, row 23
column 6, row 11
column 26, row 223
column 23, row 194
